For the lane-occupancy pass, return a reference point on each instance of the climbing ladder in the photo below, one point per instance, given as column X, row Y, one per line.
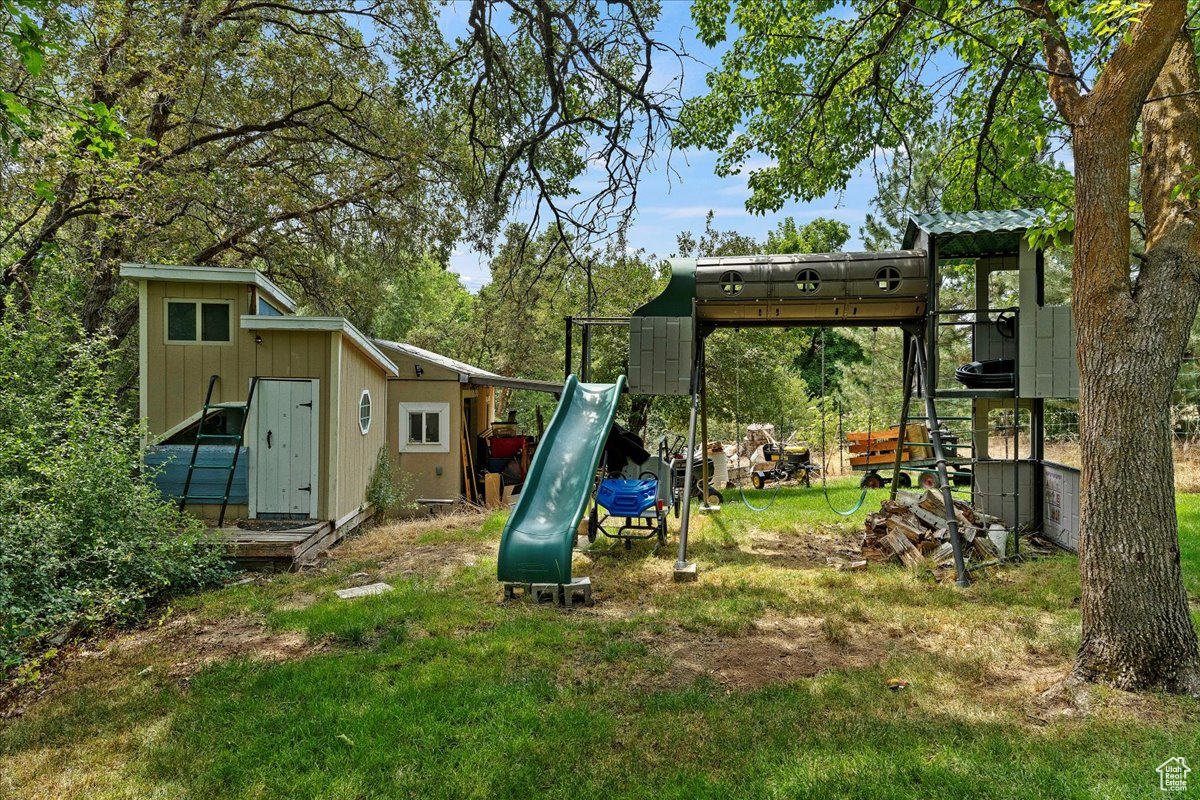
column 235, row 439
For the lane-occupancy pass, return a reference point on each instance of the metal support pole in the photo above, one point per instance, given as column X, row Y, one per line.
column 682, row 563
column 704, row 476
column 1037, row 447
column 567, row 364
column 906, row 372
column 935, row 438
column 1016, row 431
column 585, row 354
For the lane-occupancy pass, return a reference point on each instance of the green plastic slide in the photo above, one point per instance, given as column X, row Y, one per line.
column 540, row 533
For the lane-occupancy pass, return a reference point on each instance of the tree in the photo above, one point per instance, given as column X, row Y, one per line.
column 551, row 88
column 259, row 131
column 910, row 183
column 517, row 322
column 260, row 134
column 822, row 235
column 1014, row 82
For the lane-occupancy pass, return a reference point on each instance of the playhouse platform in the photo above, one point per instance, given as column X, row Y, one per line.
column 284, row 546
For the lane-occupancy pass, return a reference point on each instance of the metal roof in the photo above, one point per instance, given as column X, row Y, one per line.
column 437, row 359
column 974, row 233
column 468, row 373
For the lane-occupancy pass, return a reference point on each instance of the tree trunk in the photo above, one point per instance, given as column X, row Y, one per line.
column 1132, row 332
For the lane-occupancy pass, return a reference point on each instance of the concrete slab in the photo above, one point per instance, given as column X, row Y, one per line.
column 363, row 591
column 685, row 574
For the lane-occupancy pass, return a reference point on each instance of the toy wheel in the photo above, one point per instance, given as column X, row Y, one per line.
column 629, row 544
column 756, row 480
column 662, row 531
column 904, row 480
column 872, row 480
column 715, row 498
column 928, row 480
column 593, row 525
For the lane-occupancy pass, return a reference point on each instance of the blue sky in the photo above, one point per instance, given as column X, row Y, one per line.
column 670, row 202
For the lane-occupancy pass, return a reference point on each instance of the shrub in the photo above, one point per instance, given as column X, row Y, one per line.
column 388, row 492
column 84, row 536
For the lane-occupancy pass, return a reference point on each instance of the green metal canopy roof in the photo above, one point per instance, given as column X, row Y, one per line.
column 968, row 234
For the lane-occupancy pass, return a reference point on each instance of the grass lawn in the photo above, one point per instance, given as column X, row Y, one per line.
column 766, row 678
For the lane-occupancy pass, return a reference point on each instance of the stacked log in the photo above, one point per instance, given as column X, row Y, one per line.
column 913, row 530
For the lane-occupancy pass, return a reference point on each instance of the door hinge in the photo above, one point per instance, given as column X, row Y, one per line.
column 304, row 405
column 305, row 488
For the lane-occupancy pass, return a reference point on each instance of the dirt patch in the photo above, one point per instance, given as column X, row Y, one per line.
column 194, row 645
column 438, row 561
column 397, row 549
column 1068, row 698
column 177, row 649
column 808, row 549
column 774, row 651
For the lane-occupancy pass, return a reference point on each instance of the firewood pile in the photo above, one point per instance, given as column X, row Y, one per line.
column 913, row 529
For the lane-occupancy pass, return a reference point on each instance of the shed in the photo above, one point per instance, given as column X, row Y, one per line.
column 224, row 345
column 437, row 409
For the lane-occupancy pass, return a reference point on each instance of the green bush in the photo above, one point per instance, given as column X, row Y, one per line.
column 84, row 535
column 388, row 492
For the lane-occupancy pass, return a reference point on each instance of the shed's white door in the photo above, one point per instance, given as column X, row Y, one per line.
column 284, row 453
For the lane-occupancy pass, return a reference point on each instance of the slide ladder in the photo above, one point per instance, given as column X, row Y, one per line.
column 536, row 544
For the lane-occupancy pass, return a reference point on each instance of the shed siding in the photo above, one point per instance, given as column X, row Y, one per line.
column 357, row 452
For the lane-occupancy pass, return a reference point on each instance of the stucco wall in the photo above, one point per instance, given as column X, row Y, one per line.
column 420, row 470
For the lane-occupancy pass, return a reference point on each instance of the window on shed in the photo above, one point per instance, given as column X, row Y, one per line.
column 265, row 309
column 198, row 321
column 425, row 427
column 364, row 412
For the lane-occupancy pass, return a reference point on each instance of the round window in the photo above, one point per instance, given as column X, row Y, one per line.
column 887, row 279
column 731, row 284
column 808, row 281
column 364, row 412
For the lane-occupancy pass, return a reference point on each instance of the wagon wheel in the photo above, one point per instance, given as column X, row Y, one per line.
column 904, row 480
column 715, row 498
column 756, row 480
column 872, row 480
column 928, row 480
column 593, row 524
column 662, row 530
column 648, row 476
